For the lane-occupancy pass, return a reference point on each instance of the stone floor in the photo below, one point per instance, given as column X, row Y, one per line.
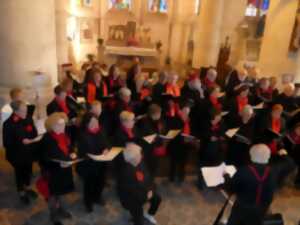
column 183, row 205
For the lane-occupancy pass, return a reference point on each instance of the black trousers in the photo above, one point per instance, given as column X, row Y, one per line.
column 137, row 212
column 177, row 169
column 243, row 215
column 92, row 187
column 23, row 174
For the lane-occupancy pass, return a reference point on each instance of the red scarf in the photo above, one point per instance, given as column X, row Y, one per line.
column 91, row 92
column 16, row 118
column 145, row 92
column 242, row 102
column 63, row 105
column 139, row 176
column 62, row 141
column 215, row 102
column 104, row 89
column 173, row 109
column 129, row 132
column 173, row 90
column 276, row 125
column 208, row 83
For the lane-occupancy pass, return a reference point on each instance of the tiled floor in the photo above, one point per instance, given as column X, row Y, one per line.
column 183, row 205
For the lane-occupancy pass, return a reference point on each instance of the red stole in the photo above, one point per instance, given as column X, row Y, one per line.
column 215, row 102
column 241, row 102
column 63, row 105
column 295, row 138
column 62, row 141
column 208, row 83
column 104, row 89
column 260, row 181
column 129, row 132
column 173, row 90
column 215, row 127
column 145, row 92
column 276, row 125
column 16, row 118
column 173, row 109
column 139, row 176
column 91, row 92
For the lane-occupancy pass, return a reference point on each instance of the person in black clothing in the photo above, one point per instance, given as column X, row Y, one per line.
column 239, row 144
column 92, row 142
column 159, row 88
column 154, row 123
column 135, row 186
column 254, row 186
column 179, row 147
column 212, row 140
column 57, row 153
column 20, row 141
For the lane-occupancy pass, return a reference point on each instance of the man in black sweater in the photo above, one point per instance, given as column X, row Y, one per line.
column 136, row 187
column 254, row 186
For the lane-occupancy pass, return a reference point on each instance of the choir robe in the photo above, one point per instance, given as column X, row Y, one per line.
column 92, row 172
column 234, row 81
column 231, row 105
column 133, row 186
column 54, row 106
column 91, row 143
column 212, row 152
column 147, row 126
column 15, row 130
column 113, row 85
column 60, row 180
column 93, row 92
column 254, row 186
column 289, row 104
column 157, row 92
column 265, row 96
column 238, row 149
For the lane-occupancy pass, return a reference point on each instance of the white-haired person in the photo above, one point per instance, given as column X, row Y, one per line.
column 210, row 78
column 135, row 186
column 239, row 144
column 19, row 140
column 254, row 186
column 57, row 150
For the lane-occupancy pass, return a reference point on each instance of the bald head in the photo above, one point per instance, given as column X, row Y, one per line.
column 260, row 153
column 132, row 153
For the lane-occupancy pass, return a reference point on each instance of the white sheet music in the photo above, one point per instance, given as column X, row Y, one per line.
column 40, row 126
column 214, row 176
column 108, row 156
column 150, row 138
column 231, row 132
column 171, row 134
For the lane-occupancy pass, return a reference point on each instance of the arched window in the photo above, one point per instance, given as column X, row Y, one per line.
column 160, row 6
column 119, row 4
column 257, row 7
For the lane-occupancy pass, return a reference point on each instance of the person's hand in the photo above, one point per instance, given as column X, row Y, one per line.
column 26, row 141
column 213, row 138
column 149, row 194
column 282, row 152
column 105, row 151
column 73, row 156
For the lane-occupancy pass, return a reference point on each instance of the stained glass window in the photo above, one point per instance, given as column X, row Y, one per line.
column 197, row 7
column 257, row 5
column 158, row 6
column 119, row 4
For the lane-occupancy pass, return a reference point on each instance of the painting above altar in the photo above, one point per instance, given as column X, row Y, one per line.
column 119, row 4
column 129, row 35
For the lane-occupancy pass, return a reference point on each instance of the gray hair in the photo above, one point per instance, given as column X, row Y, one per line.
column 132, row 152
column 124, row 92
column 260, row 153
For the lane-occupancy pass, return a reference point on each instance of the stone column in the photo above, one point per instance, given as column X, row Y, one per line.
column 27, row 41
column 208, row 33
